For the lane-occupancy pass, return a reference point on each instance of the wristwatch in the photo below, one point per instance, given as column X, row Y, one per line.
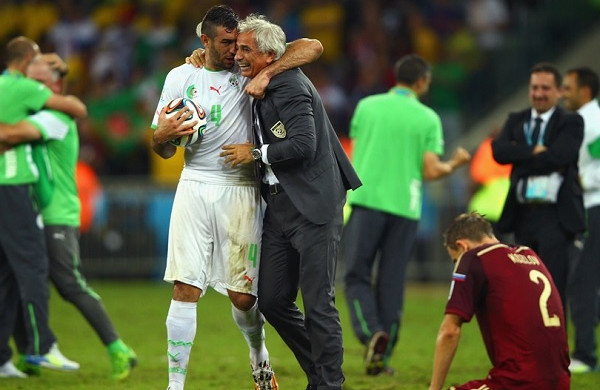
column 256, row 154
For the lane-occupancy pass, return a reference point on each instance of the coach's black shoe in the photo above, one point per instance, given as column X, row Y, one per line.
column 374, row 358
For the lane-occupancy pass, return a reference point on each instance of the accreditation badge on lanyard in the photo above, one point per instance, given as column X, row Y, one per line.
column 540, row 188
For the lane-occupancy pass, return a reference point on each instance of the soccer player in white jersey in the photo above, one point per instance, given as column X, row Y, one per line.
column 216, row 221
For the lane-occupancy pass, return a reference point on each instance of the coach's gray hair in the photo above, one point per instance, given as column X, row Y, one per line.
column 269, row 37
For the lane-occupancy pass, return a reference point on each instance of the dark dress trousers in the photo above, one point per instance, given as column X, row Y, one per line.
column 549, row 229
column 302, row 225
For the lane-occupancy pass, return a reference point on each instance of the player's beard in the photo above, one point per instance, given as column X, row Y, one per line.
column 220, row 59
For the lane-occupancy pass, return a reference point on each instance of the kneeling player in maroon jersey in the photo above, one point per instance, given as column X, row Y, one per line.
column 517, row 306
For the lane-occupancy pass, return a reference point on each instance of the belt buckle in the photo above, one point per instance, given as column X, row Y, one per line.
column 274, row 189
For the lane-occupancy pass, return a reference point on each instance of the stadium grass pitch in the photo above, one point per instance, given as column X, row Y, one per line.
column 219, row 358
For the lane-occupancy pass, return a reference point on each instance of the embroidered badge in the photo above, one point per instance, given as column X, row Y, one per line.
column 278, row 130
column 234, row 81
column 191, row 92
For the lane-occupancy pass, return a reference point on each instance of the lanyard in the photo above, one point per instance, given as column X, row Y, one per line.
column 528, row 131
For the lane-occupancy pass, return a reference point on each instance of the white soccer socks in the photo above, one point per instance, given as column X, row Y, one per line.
column 251, row 323
column 181, row 330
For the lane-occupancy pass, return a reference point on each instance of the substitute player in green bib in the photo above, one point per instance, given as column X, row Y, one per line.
column 397, row 141
column 23, row 260
column 62, row 217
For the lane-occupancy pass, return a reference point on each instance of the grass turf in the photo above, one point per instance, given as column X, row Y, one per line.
column 220, row 357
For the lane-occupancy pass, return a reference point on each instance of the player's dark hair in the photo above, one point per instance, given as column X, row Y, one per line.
column 411, row 68
column 219, row 15
column 471, row 226
column 586, row 77
column 19, row 48
column 546, row 67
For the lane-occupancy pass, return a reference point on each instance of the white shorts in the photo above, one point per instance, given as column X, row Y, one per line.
column 214, row 237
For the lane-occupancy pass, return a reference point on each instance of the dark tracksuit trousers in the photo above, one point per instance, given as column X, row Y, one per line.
column 23, row 272
column 66, row 275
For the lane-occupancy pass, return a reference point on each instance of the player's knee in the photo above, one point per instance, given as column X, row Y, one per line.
column 185, row 292
column 243, row 302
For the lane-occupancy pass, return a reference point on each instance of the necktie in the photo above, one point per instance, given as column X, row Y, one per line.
column 256, row 125
column 536, row 131
column 258, row 165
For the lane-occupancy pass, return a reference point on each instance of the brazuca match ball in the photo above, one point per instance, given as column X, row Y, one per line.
column 198, row 114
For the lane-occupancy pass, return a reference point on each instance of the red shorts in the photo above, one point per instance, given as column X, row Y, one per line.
column 480, row 384
column 491, row 384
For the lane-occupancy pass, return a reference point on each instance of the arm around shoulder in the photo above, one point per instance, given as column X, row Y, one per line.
column 68, row 104
column 306, row 50
column 300, row 52
column 19, row 133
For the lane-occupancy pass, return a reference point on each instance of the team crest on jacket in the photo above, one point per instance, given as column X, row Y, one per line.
column 278, row 130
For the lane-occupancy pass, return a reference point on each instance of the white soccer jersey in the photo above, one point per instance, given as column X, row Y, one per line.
column 228, row 109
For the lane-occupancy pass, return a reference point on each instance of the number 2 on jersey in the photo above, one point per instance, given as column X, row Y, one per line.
column 535, row 276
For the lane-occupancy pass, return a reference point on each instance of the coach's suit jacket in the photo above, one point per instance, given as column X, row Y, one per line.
column 562, row 137
column 304, row 151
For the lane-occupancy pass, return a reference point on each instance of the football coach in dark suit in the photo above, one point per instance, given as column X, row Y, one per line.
column 544, row 206
column 306, row 176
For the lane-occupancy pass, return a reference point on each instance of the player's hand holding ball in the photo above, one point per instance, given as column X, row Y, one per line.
column 181, row 123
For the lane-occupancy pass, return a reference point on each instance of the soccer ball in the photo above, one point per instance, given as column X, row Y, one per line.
column 198, row 114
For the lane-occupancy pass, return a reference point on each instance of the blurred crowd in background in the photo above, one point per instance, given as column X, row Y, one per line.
column 120, row 51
